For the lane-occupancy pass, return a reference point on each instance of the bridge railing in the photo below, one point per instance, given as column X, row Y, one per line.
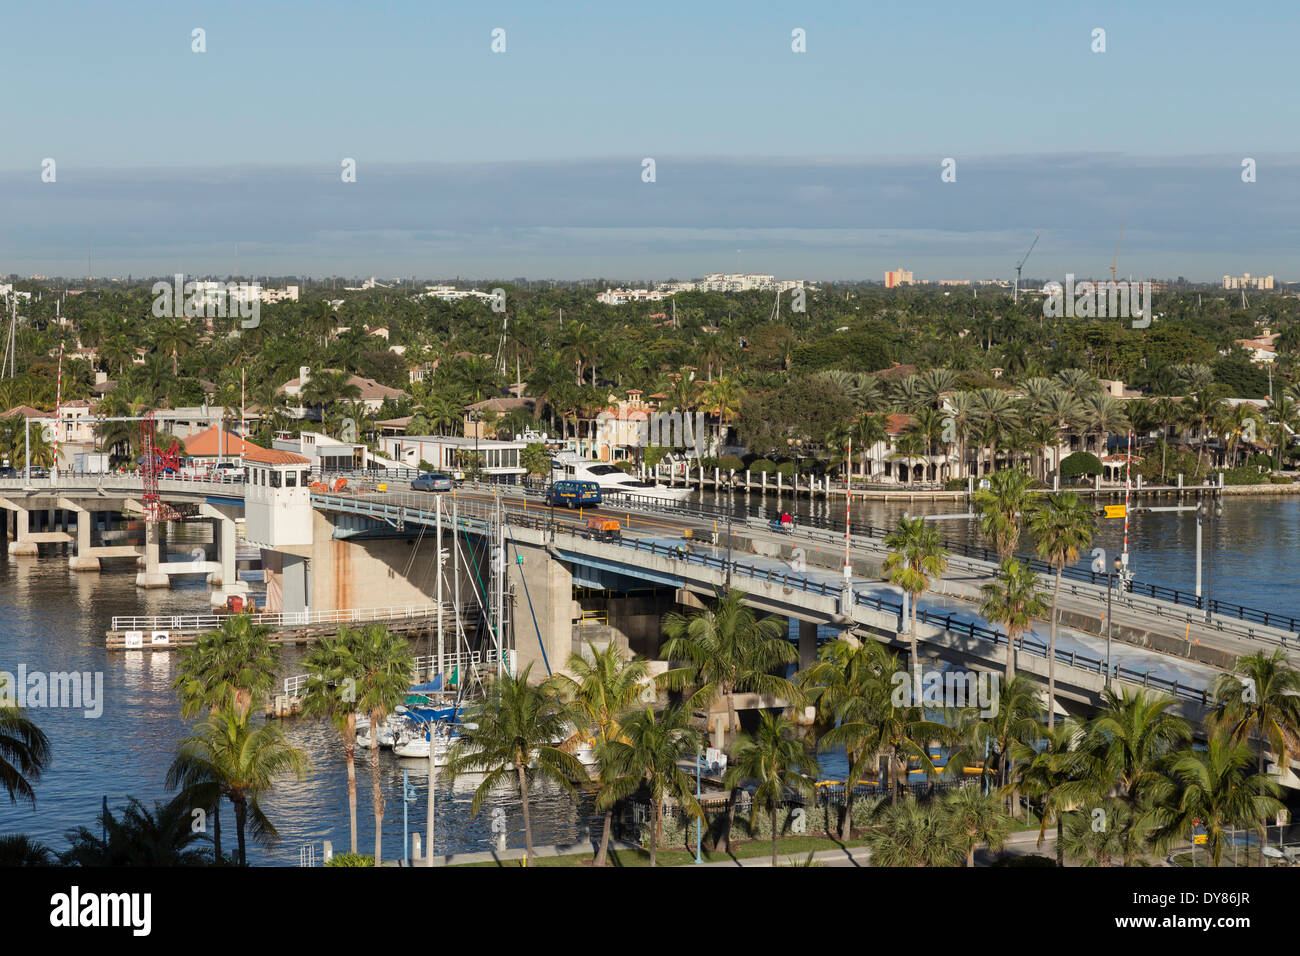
column 208, row 622
column 424, row 665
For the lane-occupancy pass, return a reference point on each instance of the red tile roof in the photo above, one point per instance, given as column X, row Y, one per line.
column 272, row 456
column 209, row 443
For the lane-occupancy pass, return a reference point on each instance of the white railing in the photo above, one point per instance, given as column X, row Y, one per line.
column 75, row 481
column 424, row 665
column 208, row 622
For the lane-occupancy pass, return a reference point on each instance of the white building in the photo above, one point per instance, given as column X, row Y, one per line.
column 277, row 498
column 1248, row 281
column 323, row 452
column 449, row 293
column 453, row 453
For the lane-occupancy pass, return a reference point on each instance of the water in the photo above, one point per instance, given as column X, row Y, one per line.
column 52, row 619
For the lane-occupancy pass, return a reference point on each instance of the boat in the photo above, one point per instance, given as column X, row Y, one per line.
column 393, row 726
column 568, row 466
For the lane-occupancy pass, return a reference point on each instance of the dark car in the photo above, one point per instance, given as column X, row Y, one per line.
column 8, row 471
column 432, row 481
column 573, row 494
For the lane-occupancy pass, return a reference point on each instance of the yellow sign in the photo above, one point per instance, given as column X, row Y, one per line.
column 1116, row 511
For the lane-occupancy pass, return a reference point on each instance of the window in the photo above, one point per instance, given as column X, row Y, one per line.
column 291, row 479
column 306, row 477
column 275, row 478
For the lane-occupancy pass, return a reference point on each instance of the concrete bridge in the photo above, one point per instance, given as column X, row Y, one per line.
column 564, row 586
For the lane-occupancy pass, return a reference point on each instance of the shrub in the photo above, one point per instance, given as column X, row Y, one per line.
column 1080, row 463
column 762, row 466
column 1244, row 475
column 731, row 463
column 351, row 859
column 785, row 469
column 955, row 484
column 624, row 466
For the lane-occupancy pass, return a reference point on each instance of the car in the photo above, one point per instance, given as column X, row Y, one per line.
column 227, row 471
column 9, row 471
column 432, row 481
column 573, row 494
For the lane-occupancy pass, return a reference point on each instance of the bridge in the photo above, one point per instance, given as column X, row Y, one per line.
column 1159, row 643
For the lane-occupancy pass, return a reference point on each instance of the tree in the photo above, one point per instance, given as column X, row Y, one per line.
column 1012, row 600
column 1213, row 789
column 915, row 834
column 1002, row 507
column 162, row 837
column 648, row 756
column 232, row 664
column 24, row 750
column 1260, row 699
column 227, row 756
column 510, row 737
column 603, row 686
column 18, row 849
column 975, row 818
column 536, row 459
column 1013, row 721
column 385, row 667
column 916, row 555
column 725, row 650
column 1056, row 772
column 778, row 760
column 1062, row 527
column 841, row 685
column 330, row 692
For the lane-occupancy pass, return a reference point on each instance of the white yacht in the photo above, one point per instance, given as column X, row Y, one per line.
column 568, row 466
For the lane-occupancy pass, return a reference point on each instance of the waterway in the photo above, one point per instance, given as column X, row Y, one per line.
column 52, row 619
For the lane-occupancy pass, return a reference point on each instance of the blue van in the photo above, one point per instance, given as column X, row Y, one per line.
column 573, row 494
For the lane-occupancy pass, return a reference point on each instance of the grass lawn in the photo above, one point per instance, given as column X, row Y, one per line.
column 792, row 848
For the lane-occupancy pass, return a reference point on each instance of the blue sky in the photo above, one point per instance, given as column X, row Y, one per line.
column 528, row 162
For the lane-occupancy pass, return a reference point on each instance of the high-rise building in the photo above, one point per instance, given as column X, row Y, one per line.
column 897, row 277
column 1248, row 281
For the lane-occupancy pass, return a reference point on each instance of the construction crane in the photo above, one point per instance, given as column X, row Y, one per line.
column 1015, row 295
column 1115, row 264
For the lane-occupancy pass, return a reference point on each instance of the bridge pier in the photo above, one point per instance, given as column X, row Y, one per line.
column 23, row 542
column 807, row 643
column 151, row 576
column 83, row 559
column 225, row 581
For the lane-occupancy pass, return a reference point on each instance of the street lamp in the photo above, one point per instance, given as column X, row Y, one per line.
column 699, row 823
column 1216, row 512
column 1110, row 589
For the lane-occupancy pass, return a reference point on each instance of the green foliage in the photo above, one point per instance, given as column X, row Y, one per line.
column 351, row 859
column 536, row 459
column 1080, row 463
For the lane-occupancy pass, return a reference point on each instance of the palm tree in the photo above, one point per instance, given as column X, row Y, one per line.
column 1002, row 507
column 841, row 685
column 915, row 834
column 1166, row 415
column 162, row 837
column 916, row 556
column 1012, row 600
column 24, row 751
column 1283, row 412
column 725, row 649
column 1260, row 699
column 975, row 818
column 777, row 759
column 510, row 736
column 385, row 665
column 331, row 693
column 603, row 686
column 1062, row 527
column 868, row 431
column 1105, row 834
column 18, row 849
column 1131, row 742
column 1214, row 789
column 1013, row 721
column 233, row 663
column 648, row 755
column 1055, row 771
column 228, row 756
column 1063, row 411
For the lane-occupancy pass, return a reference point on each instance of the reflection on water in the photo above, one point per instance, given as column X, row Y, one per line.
column 52, row 619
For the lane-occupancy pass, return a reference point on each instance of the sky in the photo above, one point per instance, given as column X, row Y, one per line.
column 823, row 164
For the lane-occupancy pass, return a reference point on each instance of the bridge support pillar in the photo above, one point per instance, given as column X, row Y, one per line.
column 807, row 643
column 83, row 560
column 22, row 543
column 151, row 576
column 226, row 581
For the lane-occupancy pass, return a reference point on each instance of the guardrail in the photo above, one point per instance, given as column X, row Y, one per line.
column 948, row 621
column 424, row 664
column 208, row 622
